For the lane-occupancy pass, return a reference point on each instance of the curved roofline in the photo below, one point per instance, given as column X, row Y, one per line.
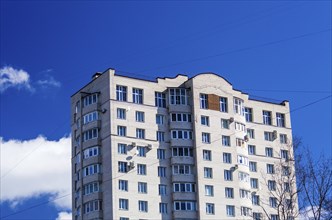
column 212, row 73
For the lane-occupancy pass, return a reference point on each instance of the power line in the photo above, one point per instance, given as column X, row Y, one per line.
column 226, row 26
column 131, row 171
column 239, row 50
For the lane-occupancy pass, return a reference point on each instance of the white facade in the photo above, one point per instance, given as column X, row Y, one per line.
column 176, row 148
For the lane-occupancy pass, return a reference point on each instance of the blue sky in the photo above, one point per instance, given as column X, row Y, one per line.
column 272, row 49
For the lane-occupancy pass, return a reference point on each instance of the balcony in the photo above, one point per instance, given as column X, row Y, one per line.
column 180, row 125
column 91, row 142
column 92, row 178
column 92, row 196
column 179, row 108
column 93, row 124
column 185, row 215
column 183, row 178
column 182, row 142
column 184, row 196
column 182, row 160
column 92, row 160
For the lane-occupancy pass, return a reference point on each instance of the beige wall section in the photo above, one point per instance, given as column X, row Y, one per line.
column 203, row 83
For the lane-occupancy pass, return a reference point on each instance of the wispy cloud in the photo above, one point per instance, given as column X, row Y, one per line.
column 45, row 171
column 19, row 78
column 11, row 77
column 49, row 81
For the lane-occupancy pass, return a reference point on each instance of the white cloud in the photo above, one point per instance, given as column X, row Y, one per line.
column 34, row 168
column 64, row 216
column 50, row 81
column 10, row 77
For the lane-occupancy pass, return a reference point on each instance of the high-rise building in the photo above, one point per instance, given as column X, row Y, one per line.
column 179, row 148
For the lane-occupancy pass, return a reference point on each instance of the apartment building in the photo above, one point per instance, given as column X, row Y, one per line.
column 179, row 148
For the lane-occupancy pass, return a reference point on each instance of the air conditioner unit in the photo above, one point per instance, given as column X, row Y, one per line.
column 231, row 119
column 131, row 165
column 149, row 146
column 236, row 167
column 275, row 134
column 246, row 138
column 133, row 144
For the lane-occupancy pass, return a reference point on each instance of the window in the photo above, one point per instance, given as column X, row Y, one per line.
column 238, row 106
column 182, row 169
column 225, row 123
column 140, row 133
column 253, row 166
column 142, row 187
column 124, row 218
column 162, row 171
column 137, row 96
column 209, row 208
column 121, row 93
column 90, row 117
column 77, row 106
column 180, row 117
column 273, row 202
column 270, row 168
column 203, row 101
column 205, row 120
column 92, row 206
column 209, row 190
column 141, row 151
column 227, row 157
column 251, row 133
column 178, row 96
column 89, row 100
column 123, row 168
column 230, row 210
column 240, row 126
column 268, row 152
column 244, row 177
column 206, row 137
column 159, row 119
column 161, row 154
column 287, row 187
column 242, row 160
column 207, row 155
column 160, row 99
column 229, row 192
column 245, row 211
column 226, row 141
column 257, row 216
column 122, row 149
column 184, row 187
column 91, row 188
column 251, row 149
column 208, row 172
column 121, row 113
column 123, row 185
column 184, row 206
column 139, row 116
column 268, row 136
column 280, row 119
column 283, row 138
column 254, row 183
column 228, row 175
column 163, row 208
column 244, row 194
column 267, row 118
column 91, row 152
column 255, row 199
column 90, row 134
column 248, row 114
column 239, row 142
column 92, row 169
column 285, row 170
column 182, row 134
column 123, row 204
column 122, row 130
column 271, row 185
column 160, row 136
column 223, row 104
column 141, row 169
column 182, row 152
column 162, row 189
column 274, row 217
column 284, row 154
